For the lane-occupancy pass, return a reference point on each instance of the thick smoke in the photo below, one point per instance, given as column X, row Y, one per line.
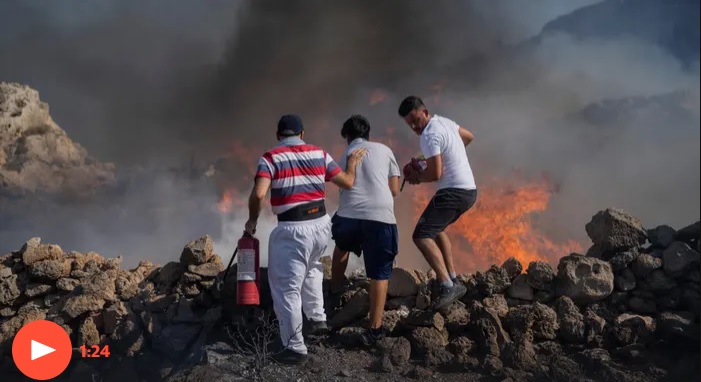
column 141, row 84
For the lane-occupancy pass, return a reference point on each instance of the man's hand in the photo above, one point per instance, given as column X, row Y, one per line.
column 250, row 227
column 346, row 179
column 412, row 171
column 414, row 177
column 355, row 157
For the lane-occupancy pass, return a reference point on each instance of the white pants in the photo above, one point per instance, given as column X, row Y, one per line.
column 296, row 274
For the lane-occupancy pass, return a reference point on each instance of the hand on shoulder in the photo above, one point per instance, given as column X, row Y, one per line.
column 356, row 156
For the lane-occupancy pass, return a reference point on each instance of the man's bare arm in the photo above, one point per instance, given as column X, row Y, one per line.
column 466, row 135
column 394, row 185
column 434, row 169
column 255, row 200
column 346, row 179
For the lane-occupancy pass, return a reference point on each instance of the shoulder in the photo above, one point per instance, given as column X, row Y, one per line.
column 286, row 153
column 384, row 148
column 377, row 149
column 429, row 134
column 270, row 153
column 375, row 145
column 277, row 150
column 433, row 127
column 447, row 122
column 298, row 149
column 368, row 145
column 306, row 148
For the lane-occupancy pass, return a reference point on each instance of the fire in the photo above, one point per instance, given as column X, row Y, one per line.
column 231, row 199
column 378, row 96
column 224, row 205
column 500, row 225
column 229, row 176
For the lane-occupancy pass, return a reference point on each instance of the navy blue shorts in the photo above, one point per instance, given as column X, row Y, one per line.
column 376, row 240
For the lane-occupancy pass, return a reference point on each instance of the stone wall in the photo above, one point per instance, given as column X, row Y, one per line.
column 634, row 297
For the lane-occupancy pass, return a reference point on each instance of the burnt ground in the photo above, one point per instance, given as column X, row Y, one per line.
column 335, row 363
column 334, row 358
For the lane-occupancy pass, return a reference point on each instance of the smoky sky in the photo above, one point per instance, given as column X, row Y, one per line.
column 159, row 83
column 137, row 82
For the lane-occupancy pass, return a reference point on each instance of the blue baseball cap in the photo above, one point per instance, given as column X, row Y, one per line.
column 290, row 124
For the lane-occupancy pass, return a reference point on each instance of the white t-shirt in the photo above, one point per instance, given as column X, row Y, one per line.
column 370, row 198
column 441, row 136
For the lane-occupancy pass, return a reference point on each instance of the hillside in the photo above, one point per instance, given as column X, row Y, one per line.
column 672, row 24
column 36, row 156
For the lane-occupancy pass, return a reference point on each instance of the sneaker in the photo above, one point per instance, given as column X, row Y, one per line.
column 372, row 336
column 317, row 328
column 450, row 295
column 290, row 357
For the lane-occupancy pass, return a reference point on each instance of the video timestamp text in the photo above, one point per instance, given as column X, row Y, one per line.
column 95, row 351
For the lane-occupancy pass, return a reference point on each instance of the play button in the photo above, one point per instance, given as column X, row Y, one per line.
column 42, row 350
column 39, row 350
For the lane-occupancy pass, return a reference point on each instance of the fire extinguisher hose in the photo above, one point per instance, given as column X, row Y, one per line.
column 229, row 266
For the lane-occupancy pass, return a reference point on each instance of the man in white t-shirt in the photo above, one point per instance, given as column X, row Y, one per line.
column 443, row 145
column 365, row 220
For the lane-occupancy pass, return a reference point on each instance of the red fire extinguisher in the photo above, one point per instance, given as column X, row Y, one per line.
column 247, row 269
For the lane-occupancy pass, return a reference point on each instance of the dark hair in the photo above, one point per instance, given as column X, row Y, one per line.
column 409, row 104
column 354, row 127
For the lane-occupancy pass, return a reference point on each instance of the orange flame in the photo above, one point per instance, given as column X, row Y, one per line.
column 500, row 225
column 378, row 96
column 231, row 199
column 224, row 205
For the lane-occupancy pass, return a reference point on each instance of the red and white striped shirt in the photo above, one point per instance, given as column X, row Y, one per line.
column 298, row 172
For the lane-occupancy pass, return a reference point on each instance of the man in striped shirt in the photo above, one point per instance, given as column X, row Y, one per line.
column 296, row 173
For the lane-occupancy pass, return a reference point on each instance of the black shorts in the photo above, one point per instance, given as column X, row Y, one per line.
column 377, row 241
column 444, row 209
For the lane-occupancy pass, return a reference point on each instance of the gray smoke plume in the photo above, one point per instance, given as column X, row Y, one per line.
column 155, row 85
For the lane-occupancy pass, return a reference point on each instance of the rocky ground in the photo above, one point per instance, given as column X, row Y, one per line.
column 628, row 310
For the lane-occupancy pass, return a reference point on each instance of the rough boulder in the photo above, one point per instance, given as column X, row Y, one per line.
column 633, row 317
column 37, row 156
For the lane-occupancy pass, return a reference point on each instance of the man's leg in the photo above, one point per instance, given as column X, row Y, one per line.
column 431, row 223
column 380, row 248
column 380, row 244
column 446, row 249
column 286, row 270
column 439, row 213
column 339, row 264
column 346, row 234
column 432, row 253
column 378, row 297
column 319, row 235
column 463, row 201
